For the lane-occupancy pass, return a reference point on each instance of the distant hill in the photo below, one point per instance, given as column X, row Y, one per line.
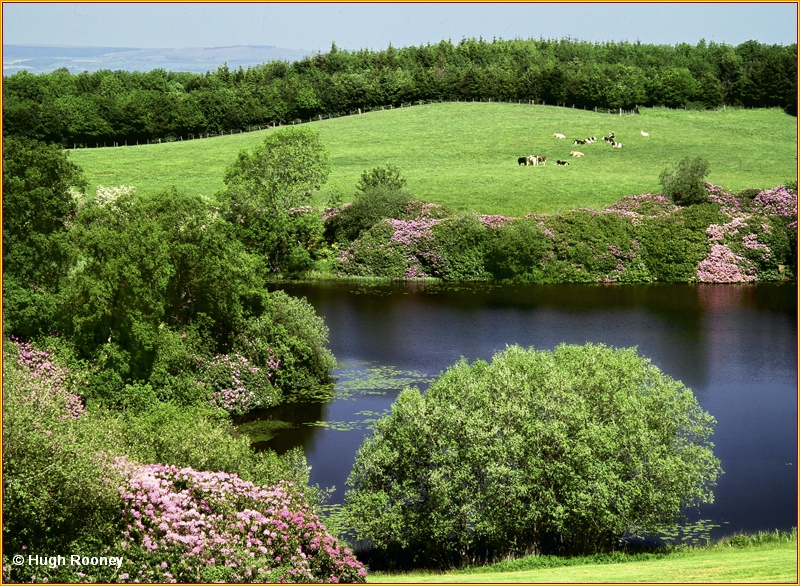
column 47, row 58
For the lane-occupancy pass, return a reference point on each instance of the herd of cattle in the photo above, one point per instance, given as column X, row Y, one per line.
column 536, row 160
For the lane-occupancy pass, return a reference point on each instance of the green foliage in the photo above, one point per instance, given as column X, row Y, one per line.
column 266, row 186
column 56, row 491
column 149, row 262
column 290, row 330
column 674, row 244
column 538, row 451
column 519, row 251
column 38, row 205
column 61, row 476
column 373, row 254
column 684, row 184
column 388, row 177
column 462, row 241
column 380, row 195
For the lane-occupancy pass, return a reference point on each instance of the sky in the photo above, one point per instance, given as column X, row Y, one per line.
column 355, row 26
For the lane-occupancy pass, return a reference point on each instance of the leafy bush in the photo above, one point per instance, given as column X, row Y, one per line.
column 388, row 177
column 675, row 244
column 684, row 184
column 551, row 452
column 518, row 252
column 591, row 247
column 289, row 339
column 56, row 492
column 461, row 242
column 380, row 196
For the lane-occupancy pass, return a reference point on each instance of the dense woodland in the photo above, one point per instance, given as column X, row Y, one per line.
column 117, row 106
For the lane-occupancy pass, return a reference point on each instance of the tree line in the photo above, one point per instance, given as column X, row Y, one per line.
column 118, row 106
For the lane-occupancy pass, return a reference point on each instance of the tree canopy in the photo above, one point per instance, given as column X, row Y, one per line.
column 537, row 451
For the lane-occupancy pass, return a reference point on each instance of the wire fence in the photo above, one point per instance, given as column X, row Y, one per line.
column 329, row 116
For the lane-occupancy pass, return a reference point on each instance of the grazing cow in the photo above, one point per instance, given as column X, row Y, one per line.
column 590, row 140
column 611, row 135
column 541, row 159
column 562, row 163
column 643, row 133
column 533, row 161
column 579, row 142
column 608, row 139
column 522, row 161
column 616, row 145
column 558, row 135
column 576, row 154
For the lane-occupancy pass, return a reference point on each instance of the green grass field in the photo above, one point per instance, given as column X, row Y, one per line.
column 766, row 563
column 464, row 155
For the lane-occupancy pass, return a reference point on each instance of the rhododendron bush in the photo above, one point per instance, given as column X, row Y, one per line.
column 186, row 526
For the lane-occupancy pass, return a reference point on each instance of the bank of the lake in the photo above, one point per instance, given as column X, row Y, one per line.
column 774, row 562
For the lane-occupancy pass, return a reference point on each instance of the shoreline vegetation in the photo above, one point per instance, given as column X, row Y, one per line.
column 760, row 557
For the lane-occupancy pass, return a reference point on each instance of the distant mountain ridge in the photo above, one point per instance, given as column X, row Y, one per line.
column 48, row 58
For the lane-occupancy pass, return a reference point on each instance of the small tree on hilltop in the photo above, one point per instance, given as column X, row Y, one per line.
column 685, row 184
column 552, row 452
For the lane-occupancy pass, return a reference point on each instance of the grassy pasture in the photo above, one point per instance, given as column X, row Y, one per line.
column 465, row 154
column 772, row 563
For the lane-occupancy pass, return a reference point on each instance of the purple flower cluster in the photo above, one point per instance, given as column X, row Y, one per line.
column 495, row 221
column 410, row 232
column 723, row 266
column 717, row 233
column 182, row 522
column 780, row 201
column 637, row 206
column 333, row 212
column 238, row 386
column 46, row 381
column 729, row 203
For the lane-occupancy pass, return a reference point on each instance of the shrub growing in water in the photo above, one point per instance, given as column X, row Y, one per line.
column 684, row 184
column 538, row 451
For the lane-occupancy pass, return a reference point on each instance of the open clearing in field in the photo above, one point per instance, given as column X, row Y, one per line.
column 464, row 155
column 760, row 564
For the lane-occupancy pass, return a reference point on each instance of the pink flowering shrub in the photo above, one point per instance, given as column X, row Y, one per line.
column 495, row 221
column 189, row 526
column 238, row 386
column 636, row 206
column 45, row 381
column 729, row 203
column 723, row 266
column 780, row 201
column 399, row 249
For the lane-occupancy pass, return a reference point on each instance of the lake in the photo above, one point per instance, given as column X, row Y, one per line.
column 735, row 346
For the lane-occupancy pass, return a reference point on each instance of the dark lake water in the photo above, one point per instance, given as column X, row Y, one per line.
column 735, row 346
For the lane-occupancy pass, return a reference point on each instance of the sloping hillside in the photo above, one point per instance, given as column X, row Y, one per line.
column 465, row 154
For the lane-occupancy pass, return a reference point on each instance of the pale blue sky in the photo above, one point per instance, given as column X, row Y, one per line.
column 376, row 25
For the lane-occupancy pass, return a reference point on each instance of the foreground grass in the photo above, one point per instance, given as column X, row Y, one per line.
column 761, row 561
column 464, row 155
